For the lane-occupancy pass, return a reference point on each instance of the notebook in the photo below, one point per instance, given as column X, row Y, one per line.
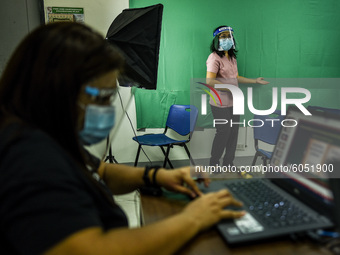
column 281, row 203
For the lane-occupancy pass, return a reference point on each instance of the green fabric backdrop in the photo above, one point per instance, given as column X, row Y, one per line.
column 275, row 39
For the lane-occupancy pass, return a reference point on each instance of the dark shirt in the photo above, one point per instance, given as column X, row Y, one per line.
column 45, row 196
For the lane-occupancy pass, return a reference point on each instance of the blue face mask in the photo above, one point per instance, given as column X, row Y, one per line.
column 99, row 120
column 226, row 44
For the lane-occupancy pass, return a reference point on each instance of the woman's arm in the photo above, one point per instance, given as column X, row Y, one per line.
column 164, row 237
column 211, row 80
column 259, row 80
column 122, row 179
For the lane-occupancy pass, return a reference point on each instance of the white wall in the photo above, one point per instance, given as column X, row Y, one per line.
column 98, row 14
column 17, row 18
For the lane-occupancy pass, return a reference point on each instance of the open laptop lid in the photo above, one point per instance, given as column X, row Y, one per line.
column 305, row 150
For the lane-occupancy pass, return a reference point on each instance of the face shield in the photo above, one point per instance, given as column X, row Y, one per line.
column 225, row 43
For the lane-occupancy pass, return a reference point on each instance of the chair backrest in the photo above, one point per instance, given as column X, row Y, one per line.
column 182, row 118
column 270, row 130
column 324, row 109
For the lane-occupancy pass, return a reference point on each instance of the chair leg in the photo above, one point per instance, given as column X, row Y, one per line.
column 255, row 158
column 166, row 154
column 264, row 158
column 164, row 164
column 188, row 153
column 137, row 156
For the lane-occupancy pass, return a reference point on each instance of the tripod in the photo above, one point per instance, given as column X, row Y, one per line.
column 110, row 157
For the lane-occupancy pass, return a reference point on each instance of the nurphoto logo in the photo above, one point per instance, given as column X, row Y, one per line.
column 239, row 99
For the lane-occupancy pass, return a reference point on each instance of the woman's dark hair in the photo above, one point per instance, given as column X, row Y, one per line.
column 215, row 45
column 42, row 81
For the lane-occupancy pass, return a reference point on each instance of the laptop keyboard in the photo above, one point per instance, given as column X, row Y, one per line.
column 272, row 208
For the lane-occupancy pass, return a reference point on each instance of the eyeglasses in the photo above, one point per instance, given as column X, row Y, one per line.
column 101, row 96
column 224, row 36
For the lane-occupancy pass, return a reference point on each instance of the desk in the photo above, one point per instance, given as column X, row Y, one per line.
column 210, row 242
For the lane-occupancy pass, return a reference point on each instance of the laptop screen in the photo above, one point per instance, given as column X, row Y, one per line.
column 305, row 150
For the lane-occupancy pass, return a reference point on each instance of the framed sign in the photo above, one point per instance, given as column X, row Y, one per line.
column 55, row 14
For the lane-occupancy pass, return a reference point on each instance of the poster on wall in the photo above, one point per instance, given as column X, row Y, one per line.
column 56, row 14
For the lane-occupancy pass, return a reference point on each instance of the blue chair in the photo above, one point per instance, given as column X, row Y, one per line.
column 268, row 133
column 181, row 119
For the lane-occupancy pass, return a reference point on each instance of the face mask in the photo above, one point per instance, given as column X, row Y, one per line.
column 226, row 44
column 99, row 120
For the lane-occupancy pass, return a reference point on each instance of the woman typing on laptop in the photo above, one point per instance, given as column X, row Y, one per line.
column 56, row 199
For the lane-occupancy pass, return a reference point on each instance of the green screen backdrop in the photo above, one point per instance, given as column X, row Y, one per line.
column 275, row 39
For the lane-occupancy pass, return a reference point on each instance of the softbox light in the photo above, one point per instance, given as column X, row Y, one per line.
column 137, row 33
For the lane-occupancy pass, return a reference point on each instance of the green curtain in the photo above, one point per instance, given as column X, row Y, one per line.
column 275, row 39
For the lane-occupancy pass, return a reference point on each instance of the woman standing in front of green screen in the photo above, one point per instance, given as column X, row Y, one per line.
column 222, row 69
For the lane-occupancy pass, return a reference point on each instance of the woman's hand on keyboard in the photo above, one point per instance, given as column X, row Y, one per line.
column 209, row 209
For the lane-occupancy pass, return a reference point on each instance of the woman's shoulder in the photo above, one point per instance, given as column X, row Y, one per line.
column 21, row 136
column 28, row 149
column 214, row 57
column 234, row 61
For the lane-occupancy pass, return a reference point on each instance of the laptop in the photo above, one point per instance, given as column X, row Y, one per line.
column 286, row 202
column 335, row 186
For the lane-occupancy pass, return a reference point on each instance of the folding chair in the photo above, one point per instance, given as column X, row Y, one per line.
column 182, row 120
column 268, row 134
column 323, row 109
